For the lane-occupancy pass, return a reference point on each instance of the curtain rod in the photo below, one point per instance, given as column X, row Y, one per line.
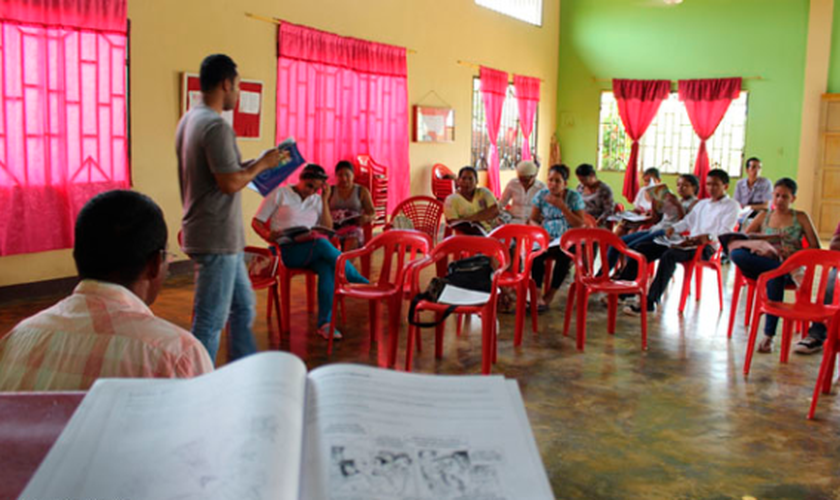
column 274, row 20
column 609, row 80
column 478, row 66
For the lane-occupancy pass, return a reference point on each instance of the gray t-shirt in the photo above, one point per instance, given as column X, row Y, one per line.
column 212, row 221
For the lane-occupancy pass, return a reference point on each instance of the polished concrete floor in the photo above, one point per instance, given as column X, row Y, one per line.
column 678, row 421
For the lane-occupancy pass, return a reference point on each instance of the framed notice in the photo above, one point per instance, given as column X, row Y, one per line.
column 434, row 124
column 245, row 117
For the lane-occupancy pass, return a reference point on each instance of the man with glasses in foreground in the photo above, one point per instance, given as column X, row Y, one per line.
column 105, row 328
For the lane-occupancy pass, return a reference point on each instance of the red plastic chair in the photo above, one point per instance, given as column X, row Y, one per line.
column 805, row 307
column 374, row 176
column 262, row 267
column 528, row 243
column 424, row 212
column 588, row 222
column 457, row 247
column 400, row 246
column 831, row 348
column 441, row 186
column 695, row 267
column 588, row 280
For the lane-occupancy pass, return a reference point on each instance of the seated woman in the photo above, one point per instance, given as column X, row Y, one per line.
column 520, row 191
column 351, row 207
column 783, row 227
column 472, row 210
column 642, row 203
column 597, row 195
column 300, row 205
column 556, row 209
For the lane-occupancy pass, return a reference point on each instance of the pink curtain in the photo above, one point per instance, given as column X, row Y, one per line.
column 493, row 92
column 528, row 99
column 340, row 97
column 638, row 102
column 706, row 102
column 63, row 129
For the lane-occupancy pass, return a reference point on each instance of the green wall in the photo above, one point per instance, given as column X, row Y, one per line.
column 834, row 63
column 641, row 39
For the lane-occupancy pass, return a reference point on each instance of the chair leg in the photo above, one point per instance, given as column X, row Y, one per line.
column 394, row 313
column 310, row 292
column 612, row 311
column 520, row 312
column 643, row 305
column 439, row 335
column 751, row 340
column 409, row 345
column 698, row 282
column 533, row 294
column 826, row 371
column 720, row 287
column 375, row 308
column 332, row 325
column 787, row 333
column 582, row 299
column 750, row 304
column 487, row 339
column 570, row 303
column 286, row 300
column 459, row 324
column 272, row 307
column 686, row 289
column 733, row 308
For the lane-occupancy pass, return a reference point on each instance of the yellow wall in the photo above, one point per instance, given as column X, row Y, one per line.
column 168, row 37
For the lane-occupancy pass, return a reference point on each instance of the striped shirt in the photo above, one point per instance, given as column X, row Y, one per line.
column 101, row 330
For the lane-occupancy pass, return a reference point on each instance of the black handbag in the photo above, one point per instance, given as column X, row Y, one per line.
column 472, row 273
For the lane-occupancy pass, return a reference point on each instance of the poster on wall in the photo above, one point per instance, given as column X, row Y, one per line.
column 245, row 117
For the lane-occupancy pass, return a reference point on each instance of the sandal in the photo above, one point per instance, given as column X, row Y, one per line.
column 766, row 345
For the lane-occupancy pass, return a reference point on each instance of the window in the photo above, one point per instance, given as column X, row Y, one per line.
column 670, row 143
column 510, row 133
column 529, row 11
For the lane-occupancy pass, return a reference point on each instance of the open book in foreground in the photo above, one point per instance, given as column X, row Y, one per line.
column 262, row 428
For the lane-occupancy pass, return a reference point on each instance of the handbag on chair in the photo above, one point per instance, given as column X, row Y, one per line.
column 472, row 273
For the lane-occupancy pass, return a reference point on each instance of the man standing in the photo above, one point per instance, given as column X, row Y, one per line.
column 211, row 175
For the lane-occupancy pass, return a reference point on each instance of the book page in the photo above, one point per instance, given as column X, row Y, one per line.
column 232, row 434
column 376, row 435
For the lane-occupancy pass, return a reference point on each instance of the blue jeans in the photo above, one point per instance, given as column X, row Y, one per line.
column 751, row 266
column 223, row 294
column 818, row 330
column 319, row 255
column 632, row 239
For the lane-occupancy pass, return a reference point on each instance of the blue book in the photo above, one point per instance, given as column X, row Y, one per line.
column 290, row 160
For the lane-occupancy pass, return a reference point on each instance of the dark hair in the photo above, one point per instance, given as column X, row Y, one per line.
column 788, row 183
column 468, row 169
column 752, row 158
column 344, row 165
column 585, row 170
column 691, row 179
column 653, row 172
column 117, row 232
column 314, row 171
column 719, row 174
column 561, row 169
column 215, row 69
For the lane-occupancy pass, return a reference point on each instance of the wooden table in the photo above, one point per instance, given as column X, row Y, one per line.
column 30, row 423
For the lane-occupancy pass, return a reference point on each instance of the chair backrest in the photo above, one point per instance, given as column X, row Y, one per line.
column 813, row 282
column 526, row 238
column 424, row 212
column 459, row 247
column 580, row 244
column 619, row 207
column 261, row 263
column 442, row 187
column 399, row 248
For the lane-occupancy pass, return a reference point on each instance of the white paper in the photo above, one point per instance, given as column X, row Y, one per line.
column 457, row 296
column 234, row 433
column 228, row 117
column 194, row 98
column 629, row 216
column 383, row 435
column 249, row 102
column 675, row 241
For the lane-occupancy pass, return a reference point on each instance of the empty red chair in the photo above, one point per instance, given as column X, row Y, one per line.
column 695, row 267
column 808, row 304
column 398, row 249
column 453, row 248
column 579, row 245
column 526, row 244
column 424, row 212
column 442, row 185
column 262, row 266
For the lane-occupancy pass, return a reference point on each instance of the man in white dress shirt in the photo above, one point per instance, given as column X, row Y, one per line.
column 708, row 219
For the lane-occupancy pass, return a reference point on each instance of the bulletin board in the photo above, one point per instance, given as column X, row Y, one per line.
column 245, row 117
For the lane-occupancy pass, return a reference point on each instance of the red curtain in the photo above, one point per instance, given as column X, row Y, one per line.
column 528, row 99
column 706, row 102
column 638, row 102
column 340, row 97
column 63, row 129
column 493, row 92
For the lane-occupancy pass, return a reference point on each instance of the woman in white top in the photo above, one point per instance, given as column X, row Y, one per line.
column 300, row 206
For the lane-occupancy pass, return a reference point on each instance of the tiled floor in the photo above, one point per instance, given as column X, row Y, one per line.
column 676, row 422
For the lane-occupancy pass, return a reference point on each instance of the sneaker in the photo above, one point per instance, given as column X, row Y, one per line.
column 808, row 345
column 324, row 331
column 766, row 345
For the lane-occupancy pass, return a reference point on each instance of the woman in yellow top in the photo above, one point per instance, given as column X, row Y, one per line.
column 473, row 205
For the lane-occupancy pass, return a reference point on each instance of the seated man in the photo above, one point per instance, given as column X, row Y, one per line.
column 520, row 191
column 709, row 218
column 753, row 191
column 105, row 328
